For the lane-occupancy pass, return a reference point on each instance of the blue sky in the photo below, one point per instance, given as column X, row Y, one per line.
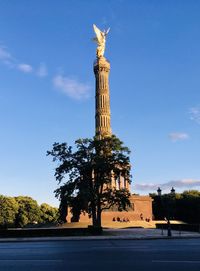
column 47, row 88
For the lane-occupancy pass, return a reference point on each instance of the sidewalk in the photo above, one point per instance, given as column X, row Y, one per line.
column 114, row 234
column 148, row 233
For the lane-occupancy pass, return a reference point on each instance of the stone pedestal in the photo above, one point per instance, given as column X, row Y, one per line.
column 140, row 210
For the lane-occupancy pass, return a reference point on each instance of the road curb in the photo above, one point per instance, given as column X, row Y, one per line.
column 95, row 238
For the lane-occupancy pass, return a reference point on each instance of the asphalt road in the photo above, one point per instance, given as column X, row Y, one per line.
column 101, row 255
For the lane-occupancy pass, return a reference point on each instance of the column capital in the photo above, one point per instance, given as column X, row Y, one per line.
column 101, row 64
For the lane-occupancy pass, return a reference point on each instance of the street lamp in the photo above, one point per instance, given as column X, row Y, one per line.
column 173, row 191
column 165, row 207
column 159, row 191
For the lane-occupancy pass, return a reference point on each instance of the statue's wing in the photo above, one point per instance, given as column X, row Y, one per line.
column 107, row 31
column 98, row 33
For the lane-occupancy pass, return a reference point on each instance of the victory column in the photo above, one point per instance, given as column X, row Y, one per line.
column 102, row 98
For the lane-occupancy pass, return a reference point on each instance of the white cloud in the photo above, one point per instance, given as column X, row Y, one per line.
column 195, row 114
column 4, row 54
column 178, row 136
column 25, row 68
column 152, row 187
column 6, row 58
column 42, row 70
column 71, row 87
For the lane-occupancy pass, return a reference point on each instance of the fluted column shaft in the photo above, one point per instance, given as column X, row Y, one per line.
column 102, row 116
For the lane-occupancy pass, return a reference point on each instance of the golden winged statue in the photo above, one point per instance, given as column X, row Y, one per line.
column 100, row 39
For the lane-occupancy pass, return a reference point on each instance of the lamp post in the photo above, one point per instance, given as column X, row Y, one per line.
column 165, row 206
column 170, row 205
column 159, row 191
column 173, row 191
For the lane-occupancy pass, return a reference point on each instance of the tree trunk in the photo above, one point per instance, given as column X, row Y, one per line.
column 98, row 215
column 94, row 215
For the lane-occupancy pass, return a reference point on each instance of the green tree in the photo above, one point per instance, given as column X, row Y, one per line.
column 28, row 212
column 86, row 175
column 48, row 214
column 188, row 206
column 8, row 211
column 184, row 206
column 157, row 206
